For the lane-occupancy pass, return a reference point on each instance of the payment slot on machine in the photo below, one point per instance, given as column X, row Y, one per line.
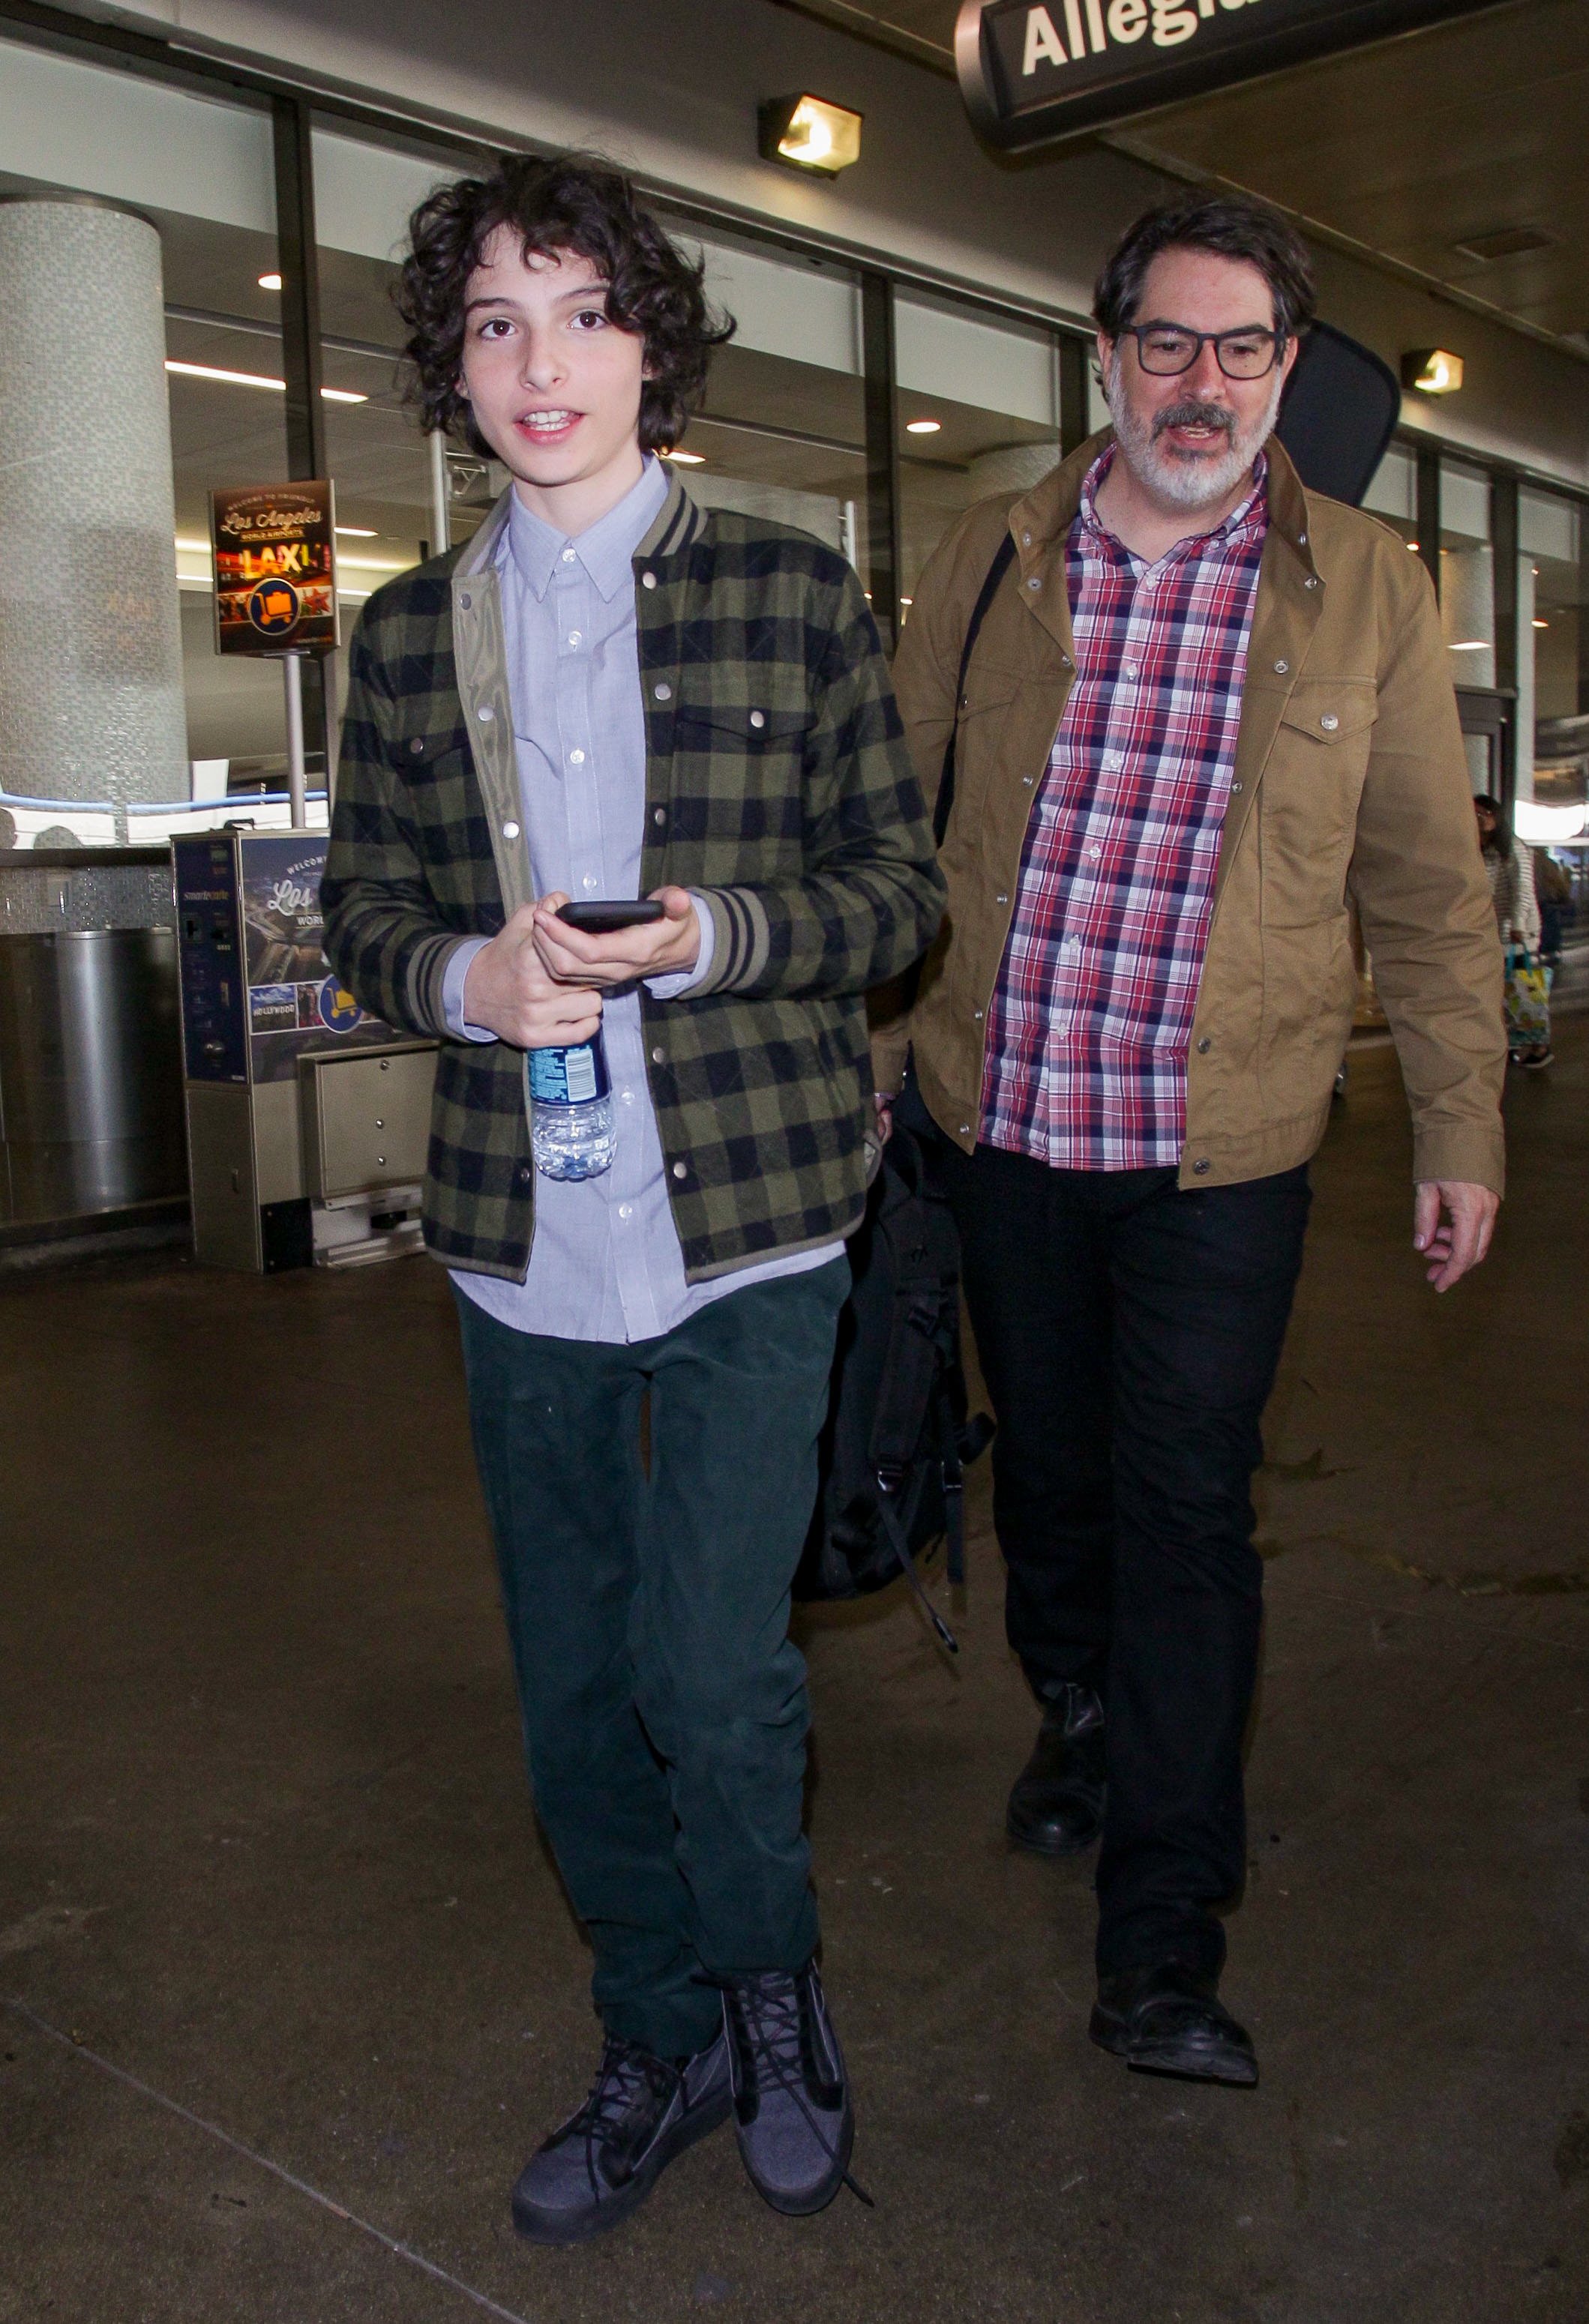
column 307, row 1117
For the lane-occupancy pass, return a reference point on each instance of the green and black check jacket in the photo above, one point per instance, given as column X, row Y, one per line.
column 778, row 786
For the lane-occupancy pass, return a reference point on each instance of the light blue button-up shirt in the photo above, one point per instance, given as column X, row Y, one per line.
column 604, row 1263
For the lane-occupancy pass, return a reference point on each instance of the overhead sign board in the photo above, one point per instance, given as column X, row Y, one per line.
column 275, row 570
column 1031, row 74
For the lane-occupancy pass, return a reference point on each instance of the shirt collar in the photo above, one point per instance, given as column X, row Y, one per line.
column 606, row 549
column 1238, row 527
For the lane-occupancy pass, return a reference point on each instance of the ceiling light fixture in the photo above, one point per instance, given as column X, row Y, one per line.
column 808, row 133
column 1538, row 826
column 270, row 282
column 923, row 426
column 358, row 531
column 686, row 459
column 1431, row 371
column 1469, row 645
column 255, row 379
column 1539, row 624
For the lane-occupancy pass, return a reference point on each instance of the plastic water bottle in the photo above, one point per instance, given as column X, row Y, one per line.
column 571, row 1111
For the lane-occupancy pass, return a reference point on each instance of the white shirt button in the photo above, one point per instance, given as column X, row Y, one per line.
column 1094, row 853
column 1131, row 670
column 575, row 637
column 568, row 556
column 625, row 1210
column 663, row 693
column 588, row 882
column 1112, row 762
column 575, row 758
column 627, row 1096
column 510, row 830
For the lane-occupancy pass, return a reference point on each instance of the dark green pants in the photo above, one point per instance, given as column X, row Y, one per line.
column 664, row 1705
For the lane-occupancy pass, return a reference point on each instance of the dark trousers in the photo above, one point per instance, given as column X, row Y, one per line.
column 1129, row 1333
column 664, row 1703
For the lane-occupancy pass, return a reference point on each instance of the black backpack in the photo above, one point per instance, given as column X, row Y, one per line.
column 894, row 1450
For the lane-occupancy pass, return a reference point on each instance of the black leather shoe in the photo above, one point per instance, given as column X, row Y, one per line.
column 1056, row 1803
column 1170, row 2020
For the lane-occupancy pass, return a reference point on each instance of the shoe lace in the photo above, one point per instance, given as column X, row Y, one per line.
column 766, row 2011
column 626, row 2075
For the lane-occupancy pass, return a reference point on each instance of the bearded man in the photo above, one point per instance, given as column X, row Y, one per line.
column 1207, row 715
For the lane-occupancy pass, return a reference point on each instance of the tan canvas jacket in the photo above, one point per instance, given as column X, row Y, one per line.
column 1350, row 791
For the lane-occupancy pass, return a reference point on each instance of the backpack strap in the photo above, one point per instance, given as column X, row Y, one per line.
column 1003, row 557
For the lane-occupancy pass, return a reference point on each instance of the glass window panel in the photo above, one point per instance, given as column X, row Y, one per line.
column 1467, row 573
column 201, row 171
column 977, row 412
column 1550, row 617
column 780, row 432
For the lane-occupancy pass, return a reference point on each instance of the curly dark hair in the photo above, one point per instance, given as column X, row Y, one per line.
column 1232, row 225
column 571, row 202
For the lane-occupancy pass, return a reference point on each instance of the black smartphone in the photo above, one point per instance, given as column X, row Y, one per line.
column 601, row 919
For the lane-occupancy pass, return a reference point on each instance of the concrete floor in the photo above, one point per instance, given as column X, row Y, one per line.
column 289, row 1990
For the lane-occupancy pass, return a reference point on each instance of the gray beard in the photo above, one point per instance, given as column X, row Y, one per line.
column 1189, row 485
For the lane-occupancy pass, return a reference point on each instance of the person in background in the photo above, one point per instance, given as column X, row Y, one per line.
column 611, row 688
column 1553, row 892
column 1209, row 717
column 1508, row 865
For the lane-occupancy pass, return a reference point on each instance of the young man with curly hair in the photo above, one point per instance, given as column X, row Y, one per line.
column 612, row 690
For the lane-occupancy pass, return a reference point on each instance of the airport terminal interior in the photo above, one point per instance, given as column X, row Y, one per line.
column 289, row 1986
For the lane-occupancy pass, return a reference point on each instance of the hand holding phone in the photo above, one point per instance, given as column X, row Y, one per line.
column 628, row 942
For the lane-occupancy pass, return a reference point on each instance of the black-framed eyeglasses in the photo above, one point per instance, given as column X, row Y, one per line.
column 1167, row 349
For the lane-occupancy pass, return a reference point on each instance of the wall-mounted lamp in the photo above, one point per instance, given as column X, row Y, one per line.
column 1431, row 371
column 811, row 134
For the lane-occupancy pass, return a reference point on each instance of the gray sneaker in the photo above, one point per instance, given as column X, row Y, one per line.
column 603, row 2163
column 791, row 2098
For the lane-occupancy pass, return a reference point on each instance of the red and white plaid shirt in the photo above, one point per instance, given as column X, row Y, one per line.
column 1086, row 1054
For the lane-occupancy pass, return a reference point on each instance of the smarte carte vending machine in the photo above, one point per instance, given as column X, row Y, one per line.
column 306, row 1118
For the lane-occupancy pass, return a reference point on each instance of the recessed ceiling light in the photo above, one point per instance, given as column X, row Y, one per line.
column 1470, row 645
column 923, row 426
column 359, row 531
column 270, row 282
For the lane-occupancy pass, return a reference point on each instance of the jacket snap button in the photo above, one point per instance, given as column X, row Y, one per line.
column 1235, row 787
column 1281, row 668
column 658, row 1056
column 679, row 1170
column 758, row 718
column 417, row 745
column 1001, row 899
column 1034, row 583
column 1311, row 582
column 486, row 713
column 663, row 693
column 1026, row 541
column 660, row 814
column 647, row 581
column 1329, row 722
column 465, row 602
column 510, row 830
column 1199, row 1168
column 1204, row 1045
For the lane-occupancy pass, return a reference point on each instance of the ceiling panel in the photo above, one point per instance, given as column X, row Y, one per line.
column 1406, row 150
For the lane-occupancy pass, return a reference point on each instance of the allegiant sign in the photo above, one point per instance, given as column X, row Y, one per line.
column 1032, row 73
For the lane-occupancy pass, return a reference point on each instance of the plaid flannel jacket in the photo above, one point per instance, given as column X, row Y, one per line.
column 778, row 785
